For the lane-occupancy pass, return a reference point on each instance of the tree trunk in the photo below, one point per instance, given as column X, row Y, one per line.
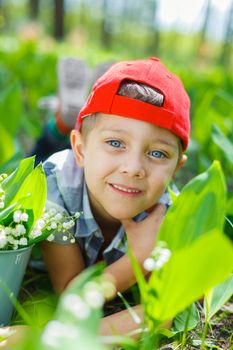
column 206, row 22
column 154, row 35
column 228, row 39
column 33, row 7
column 59, row 19
column 106, row 30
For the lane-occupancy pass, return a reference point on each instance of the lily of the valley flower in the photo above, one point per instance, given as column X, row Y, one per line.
column 2, row 198
column 17, row 226
column 3, row 238
column 16, row 235
column 20, row 216
column 55, row 331
column 159, row 256
column 76, row 306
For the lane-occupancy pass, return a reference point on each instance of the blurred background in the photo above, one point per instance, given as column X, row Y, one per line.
column 194, row 39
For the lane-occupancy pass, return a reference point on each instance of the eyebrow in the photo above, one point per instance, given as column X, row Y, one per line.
column 166, row 142
column 114, row 129
column 157, row 140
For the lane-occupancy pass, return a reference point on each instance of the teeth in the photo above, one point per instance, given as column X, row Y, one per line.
column 125, row 189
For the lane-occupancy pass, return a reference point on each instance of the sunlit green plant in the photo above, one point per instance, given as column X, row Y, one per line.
column 24, row 220
column 76, row 320
column 192, row 255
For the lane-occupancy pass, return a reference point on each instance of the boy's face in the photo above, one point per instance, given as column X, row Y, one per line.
column 127, row 165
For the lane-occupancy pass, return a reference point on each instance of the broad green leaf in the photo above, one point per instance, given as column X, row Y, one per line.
column 189, row 316
column 223, row 142
column 226, row 96
column 199, row 208
column 172, row 194
column 5, row 213
column 217, row 297
column 10, row 164
column 6, row 145
column 13, row 182
column 11, row 107
column 201, row 121
column 184, row 321
column 190, row 273
column 35, row 185
column 230, row 206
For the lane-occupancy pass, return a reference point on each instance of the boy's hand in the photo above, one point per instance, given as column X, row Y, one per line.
column 142, row 235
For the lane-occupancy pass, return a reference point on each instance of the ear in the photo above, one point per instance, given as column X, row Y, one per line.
column 181, row 163
column 77, row 144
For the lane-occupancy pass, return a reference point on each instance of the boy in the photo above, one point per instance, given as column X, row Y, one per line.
column 127, row 145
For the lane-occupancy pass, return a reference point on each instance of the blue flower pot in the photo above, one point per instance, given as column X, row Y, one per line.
column 13, row 264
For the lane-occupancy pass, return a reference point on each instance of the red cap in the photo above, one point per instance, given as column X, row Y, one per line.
column 173, row 115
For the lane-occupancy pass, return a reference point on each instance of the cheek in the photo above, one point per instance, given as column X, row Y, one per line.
column 97, row 167
column 161, row 177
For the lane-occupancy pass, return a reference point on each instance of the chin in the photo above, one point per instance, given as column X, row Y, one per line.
column 123, row 214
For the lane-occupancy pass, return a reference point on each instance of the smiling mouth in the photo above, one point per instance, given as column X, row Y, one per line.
column 125, row 189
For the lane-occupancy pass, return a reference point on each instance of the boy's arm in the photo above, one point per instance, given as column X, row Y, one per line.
column 122, row 323
column 63, row 262
column 141, row 239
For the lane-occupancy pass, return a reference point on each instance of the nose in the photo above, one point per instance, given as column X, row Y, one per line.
column 133, row 167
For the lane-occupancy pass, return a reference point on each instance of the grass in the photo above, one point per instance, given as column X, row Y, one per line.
column 39, row 301
column 219, row 332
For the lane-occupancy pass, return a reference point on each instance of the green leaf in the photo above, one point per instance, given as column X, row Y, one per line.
column 201, row 123
column 199, row 208
column 26, row 186
column 190, row 273
column 6, row 145
column 217, row 297
column 11, row 108
column 172, row 194
column 223, row 142
column 230, row 206
column 5, row 213
column 11, row 164
column 13, row 182
column 192, row 314
column 225, row 96
column 35, row 184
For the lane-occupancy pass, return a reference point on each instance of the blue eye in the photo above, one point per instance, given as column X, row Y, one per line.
column 157, row 154
column 115, row 143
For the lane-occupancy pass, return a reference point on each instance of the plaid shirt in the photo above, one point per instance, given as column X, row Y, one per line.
column 67, row 192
